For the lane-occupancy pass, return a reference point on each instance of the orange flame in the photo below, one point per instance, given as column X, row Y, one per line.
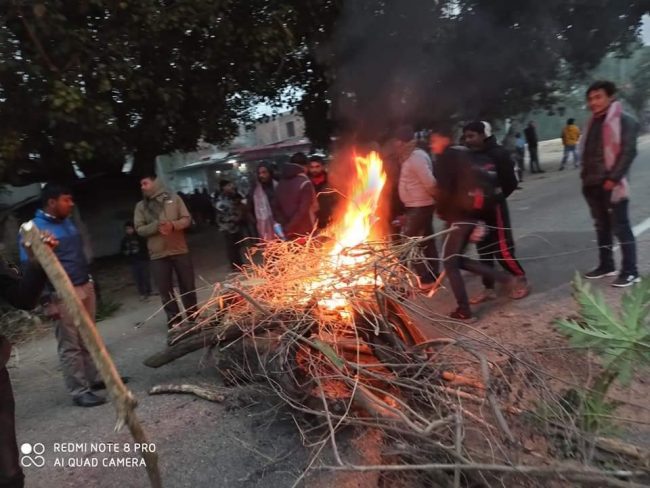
column 353, row 229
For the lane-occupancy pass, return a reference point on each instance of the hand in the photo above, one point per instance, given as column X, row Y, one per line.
column 165, row 228
column 478, row 234
column 609, row 185
column 49, row 239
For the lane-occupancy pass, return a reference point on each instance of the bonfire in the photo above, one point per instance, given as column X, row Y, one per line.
column 327, row 325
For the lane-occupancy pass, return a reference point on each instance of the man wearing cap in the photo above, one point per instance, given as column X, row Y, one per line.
column 498, row 243
column 416, row 189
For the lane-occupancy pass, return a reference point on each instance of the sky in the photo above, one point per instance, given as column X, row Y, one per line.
column 645, row 30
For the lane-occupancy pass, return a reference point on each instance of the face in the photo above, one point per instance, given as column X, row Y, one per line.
column 229, row 189
column 263, row 174
column 315, row 168
column 439, row 143
column 474, row 140
column 598, row 101
column 129, row 230
column 146, row 185
column 60, row 207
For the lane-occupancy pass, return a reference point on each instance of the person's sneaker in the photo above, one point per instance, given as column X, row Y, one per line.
column 461, row 314
column 88, row 399
column 625, row 279
column 485, row 295
column 561, row 168
column 600, row 272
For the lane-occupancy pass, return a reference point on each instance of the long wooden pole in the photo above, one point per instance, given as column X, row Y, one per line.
column 121, row 397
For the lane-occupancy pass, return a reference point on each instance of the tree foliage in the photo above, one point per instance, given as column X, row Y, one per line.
column 91, row 81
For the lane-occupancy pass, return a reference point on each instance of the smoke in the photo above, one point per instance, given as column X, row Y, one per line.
column 423, row 62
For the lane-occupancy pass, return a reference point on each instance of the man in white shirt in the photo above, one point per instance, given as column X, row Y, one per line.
column 416, row 189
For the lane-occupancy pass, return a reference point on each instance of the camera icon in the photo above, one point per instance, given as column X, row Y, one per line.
column 32, row 455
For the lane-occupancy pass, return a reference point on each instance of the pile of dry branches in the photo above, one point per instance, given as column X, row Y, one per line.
column 455, row 411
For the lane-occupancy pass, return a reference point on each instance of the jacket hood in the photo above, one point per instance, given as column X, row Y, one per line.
column 491, row 142
column 290, row 170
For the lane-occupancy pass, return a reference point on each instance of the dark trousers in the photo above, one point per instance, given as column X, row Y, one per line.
column 499, row 244
column 452, row 253
column 611, row 218
column 233, row 248
column 419, row 223
column 163, row 270
column 534, row 159
column 142, row 276
column 11, row 475
column 519, row 162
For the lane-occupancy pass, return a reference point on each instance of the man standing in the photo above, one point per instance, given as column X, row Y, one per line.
column 530, row 133
column 325, row 195
column 416, row 188
column 20, row 293
column 498, row 244
column 295, row 203
column 608, row 149
column 162, row 218
column 81, row 376
column 570, row 137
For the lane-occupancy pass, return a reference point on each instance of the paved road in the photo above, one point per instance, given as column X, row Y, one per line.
column 203, row 444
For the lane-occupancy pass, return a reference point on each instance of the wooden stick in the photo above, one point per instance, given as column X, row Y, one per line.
column 204, row 392
column 180, row 349
column 122, row 398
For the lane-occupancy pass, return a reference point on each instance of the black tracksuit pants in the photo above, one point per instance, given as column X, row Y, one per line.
column 498, row 244
column 453, row 249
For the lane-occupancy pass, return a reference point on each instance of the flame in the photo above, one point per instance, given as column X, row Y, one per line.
column 353, row 229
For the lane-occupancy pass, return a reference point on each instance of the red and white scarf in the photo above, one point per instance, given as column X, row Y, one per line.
column 611, row 147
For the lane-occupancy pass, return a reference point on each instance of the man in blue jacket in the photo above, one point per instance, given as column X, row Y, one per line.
column 81, row 376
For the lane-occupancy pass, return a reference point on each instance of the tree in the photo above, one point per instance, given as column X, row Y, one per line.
column 92, row 81
column 391, row 62
column 637, row 92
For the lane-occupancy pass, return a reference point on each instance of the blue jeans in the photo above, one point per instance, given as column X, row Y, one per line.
column 611, row 218
column 570, row 150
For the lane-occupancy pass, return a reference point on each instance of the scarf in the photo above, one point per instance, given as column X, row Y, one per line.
column 263, row 214
column 611, row 147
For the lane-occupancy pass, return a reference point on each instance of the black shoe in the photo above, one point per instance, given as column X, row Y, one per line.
column 626, row 279
column 88, row 399
column 461, row 314
column 600, row 272
column 100, row 385
column 561, row 168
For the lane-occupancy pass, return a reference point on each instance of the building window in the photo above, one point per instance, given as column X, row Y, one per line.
column 291, row 129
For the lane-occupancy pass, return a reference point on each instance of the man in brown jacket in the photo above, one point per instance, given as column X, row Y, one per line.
column 162, row 218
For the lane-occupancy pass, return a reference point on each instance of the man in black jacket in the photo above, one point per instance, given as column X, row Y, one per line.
column 327, row 198
column 530, row 133
column 608, row 149
column 465, row 193
column 21, row 293
column 498, row 243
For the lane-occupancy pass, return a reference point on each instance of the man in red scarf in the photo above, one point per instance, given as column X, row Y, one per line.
column 326, row 196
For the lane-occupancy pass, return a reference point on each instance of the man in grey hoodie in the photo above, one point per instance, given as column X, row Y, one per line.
column 416, row 189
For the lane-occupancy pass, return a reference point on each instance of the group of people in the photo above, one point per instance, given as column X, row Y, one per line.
column 289, row 207
column 467, row 186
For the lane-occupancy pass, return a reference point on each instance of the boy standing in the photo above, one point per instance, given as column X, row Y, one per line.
column 134, row 247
